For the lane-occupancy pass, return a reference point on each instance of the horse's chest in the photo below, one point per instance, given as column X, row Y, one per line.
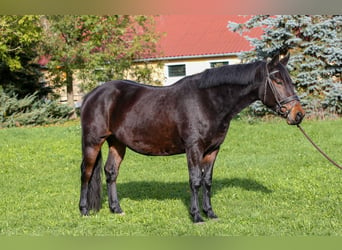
column 216, row 135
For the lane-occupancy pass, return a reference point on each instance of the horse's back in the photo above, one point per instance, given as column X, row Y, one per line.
column 109, row 92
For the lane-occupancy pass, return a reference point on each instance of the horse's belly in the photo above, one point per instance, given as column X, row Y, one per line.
column 156, row 150
column 151, row 141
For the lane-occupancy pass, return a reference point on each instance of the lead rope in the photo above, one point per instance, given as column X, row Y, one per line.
column 318, row 148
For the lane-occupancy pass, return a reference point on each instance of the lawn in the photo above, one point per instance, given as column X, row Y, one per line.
column 268, row 180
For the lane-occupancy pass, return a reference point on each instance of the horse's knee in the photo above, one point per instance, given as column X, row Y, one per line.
column 207, row 183
column 195, row 183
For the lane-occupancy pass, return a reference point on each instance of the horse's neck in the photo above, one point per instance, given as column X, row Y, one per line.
column 246, row 97
column 230, row 100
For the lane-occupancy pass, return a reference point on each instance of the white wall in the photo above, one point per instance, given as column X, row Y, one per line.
column 193, row 67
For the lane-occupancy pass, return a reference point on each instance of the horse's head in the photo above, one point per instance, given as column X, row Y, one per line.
column 278, row 92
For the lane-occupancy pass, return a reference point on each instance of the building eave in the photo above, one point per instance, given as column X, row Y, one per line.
column 186, row 57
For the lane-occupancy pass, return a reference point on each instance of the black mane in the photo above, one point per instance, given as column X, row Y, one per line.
column 240, row 74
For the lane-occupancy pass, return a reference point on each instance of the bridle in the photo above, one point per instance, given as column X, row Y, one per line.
column 281, row 109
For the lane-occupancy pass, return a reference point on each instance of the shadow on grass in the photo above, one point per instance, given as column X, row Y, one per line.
column 155, row 190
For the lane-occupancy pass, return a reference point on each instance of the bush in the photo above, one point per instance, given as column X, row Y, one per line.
column 30, row 110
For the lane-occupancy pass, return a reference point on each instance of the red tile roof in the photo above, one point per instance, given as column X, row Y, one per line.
column 200, row 35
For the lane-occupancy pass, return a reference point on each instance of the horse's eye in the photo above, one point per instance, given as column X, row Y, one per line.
column 278, row 81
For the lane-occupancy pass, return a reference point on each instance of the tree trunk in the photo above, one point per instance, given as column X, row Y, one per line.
column 70, row 92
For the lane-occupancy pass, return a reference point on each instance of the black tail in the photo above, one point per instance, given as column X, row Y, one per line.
column 95, row 186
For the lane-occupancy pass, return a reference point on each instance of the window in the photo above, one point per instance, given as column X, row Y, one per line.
column 218, row 64
column 176, row 70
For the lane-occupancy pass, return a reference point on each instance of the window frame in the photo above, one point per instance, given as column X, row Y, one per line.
column 172, row 70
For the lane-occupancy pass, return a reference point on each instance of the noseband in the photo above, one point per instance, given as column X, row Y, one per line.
column 281, row 109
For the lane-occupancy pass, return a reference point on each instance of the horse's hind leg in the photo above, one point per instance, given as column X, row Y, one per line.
column 90, row 197
column 116, row 154
column 200, row 173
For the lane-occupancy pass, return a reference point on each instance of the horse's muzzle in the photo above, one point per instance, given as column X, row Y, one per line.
column 296, row 114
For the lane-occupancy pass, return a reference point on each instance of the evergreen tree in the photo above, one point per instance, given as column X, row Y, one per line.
column 315, row 44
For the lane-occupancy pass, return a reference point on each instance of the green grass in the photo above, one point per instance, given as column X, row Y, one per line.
column 268, row 180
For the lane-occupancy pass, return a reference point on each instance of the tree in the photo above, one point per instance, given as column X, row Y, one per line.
column 19, row 40
column 315, row 43
column 96, row 48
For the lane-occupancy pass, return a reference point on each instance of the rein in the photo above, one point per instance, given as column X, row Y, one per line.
column 318, row 148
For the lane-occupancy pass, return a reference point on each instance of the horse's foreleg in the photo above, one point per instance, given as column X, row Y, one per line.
column 208, row 165
column 115, row 156
column 195, row 179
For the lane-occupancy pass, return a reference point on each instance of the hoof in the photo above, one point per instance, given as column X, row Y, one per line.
column 211, row 215
column 116, row 210
column 84, row 212
column 198, row 219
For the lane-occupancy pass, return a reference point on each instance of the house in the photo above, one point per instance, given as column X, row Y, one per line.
column 189, row 44
column 193, row 43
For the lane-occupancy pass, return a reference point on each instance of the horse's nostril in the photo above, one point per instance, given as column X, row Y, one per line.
column 299, row 117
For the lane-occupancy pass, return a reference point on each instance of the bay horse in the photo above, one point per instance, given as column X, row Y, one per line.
column 191, row 116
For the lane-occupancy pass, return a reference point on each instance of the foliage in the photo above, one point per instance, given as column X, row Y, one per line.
column 268, row 180
column 315, row 43
column 29, row 111
column 91, row 48
column 95, row 48
column 19, row 40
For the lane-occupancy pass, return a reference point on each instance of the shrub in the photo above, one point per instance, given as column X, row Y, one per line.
column 30, row 110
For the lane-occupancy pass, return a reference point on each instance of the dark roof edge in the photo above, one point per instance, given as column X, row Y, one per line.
column 186, row 57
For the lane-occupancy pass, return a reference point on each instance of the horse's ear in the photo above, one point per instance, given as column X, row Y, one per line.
column 273, row 62
column 286, row 59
